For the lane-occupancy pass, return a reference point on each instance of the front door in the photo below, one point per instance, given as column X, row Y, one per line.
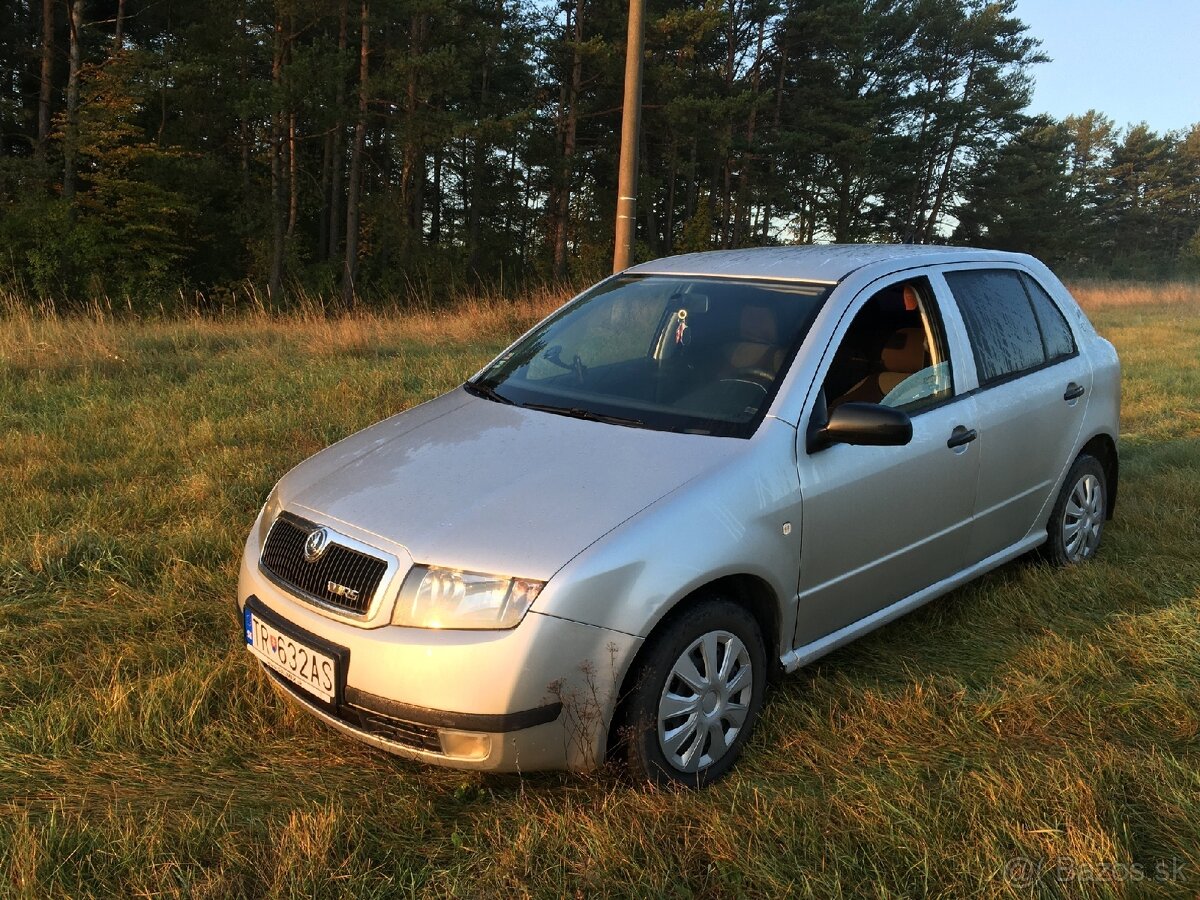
column 881, row 523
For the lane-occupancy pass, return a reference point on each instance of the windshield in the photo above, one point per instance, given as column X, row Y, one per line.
column 701, row 355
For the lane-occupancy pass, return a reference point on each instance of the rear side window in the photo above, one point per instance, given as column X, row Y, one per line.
column 1056, row 334
column 1004, row 333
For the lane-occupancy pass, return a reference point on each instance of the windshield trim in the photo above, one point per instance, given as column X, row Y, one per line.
column 725, row 276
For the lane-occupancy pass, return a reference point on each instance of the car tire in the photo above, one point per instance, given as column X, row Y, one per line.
column 695, row 695
column 1077, row 519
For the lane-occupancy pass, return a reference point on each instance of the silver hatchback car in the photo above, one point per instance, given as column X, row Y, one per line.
column 700, row 472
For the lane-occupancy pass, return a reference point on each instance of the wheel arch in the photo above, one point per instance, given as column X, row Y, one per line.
column 746, row 590
column 1104, row 448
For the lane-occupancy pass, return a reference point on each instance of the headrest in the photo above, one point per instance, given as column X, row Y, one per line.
column 758, row 325
column 904, row 351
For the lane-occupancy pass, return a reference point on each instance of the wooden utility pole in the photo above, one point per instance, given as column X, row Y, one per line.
column 631, row 126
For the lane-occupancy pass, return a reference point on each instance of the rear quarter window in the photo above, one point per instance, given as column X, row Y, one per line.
column 1056, row 333
column 1000, row 321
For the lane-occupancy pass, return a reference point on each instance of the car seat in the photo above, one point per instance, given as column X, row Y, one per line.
column 757, row 347
column 903, row 354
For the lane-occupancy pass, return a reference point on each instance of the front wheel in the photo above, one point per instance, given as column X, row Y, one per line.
column 1077, row 520
column 696, row 695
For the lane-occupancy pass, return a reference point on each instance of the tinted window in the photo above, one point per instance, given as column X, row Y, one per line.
column 1056, row 334
column 1004, row 333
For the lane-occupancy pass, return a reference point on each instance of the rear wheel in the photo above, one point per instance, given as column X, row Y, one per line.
column 1077, row 520
column 696, row 695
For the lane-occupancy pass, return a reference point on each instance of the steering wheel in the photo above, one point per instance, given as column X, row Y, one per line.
column 759, row 378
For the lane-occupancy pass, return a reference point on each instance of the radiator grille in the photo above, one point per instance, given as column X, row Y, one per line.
column 410, row 734
column 354, row 576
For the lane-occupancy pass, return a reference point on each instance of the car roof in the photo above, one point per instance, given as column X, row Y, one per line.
column 824, row 263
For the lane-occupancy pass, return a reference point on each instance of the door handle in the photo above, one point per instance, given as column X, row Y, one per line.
column 961, row 435
column 1073, row 391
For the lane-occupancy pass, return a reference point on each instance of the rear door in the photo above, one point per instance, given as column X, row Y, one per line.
column 1033, row 390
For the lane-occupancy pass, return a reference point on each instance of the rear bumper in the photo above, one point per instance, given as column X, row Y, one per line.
column 538, row 696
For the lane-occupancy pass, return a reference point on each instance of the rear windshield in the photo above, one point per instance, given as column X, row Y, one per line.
column 700, row 355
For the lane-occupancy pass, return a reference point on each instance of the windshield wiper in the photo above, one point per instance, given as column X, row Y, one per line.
column 576, row 412
column 486, row 391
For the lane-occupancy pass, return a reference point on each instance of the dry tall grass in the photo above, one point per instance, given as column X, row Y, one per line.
column 41, row 335
column 1099, row 294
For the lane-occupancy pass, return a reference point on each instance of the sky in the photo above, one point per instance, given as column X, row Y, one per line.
column 1133, row 60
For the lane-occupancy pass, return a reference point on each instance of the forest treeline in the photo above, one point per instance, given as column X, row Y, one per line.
column 368, row 147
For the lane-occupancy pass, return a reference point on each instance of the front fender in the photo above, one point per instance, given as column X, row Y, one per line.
column 729, row 521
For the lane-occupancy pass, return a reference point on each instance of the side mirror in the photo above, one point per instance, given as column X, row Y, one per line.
column 864, row 424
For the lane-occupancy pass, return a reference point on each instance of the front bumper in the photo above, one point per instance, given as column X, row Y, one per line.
column 538, row 696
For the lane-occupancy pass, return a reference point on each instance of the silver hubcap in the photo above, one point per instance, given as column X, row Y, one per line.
column 705, row 701
column 1083, row 518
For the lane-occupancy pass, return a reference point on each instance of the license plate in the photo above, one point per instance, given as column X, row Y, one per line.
column 294, row 660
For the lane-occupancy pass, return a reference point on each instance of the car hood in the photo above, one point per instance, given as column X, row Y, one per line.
column 470, row 483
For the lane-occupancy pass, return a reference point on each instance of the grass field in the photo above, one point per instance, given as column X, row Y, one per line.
column 1041, row 715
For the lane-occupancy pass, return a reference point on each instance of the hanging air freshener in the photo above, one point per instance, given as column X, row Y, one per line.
column 682, row 328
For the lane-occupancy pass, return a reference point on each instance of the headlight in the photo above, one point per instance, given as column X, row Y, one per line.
column 272, row 507
column 433, row 597
column 269, row 513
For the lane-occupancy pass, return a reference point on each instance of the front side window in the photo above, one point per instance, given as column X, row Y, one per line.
column 701, row 355
column 1000, row 322
column 894, row 353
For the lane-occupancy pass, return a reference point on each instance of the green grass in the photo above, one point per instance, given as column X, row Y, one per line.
column 1041, row 714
